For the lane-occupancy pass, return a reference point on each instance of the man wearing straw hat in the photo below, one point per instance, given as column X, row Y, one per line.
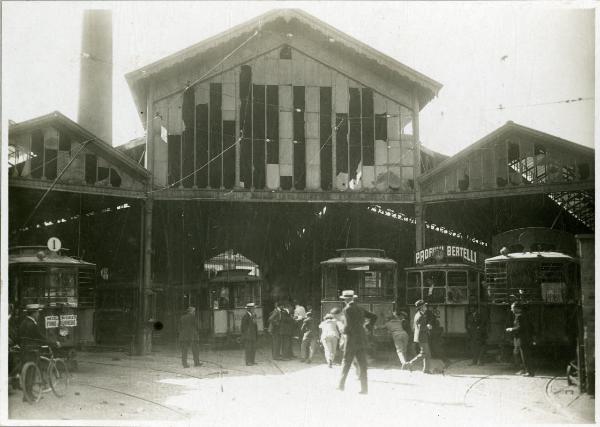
column 249, row 331
column 421, row 327
column 356, row 340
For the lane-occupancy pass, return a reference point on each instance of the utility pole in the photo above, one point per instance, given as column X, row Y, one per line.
column 419, row 206
column 145, row 340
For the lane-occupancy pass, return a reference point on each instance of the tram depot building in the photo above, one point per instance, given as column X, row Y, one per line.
column 280, row 140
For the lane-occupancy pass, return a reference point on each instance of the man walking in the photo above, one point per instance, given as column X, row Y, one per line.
column 249, row 334
column 356, row 340
column 188, row 337
column 421, row 336
column 522, row 331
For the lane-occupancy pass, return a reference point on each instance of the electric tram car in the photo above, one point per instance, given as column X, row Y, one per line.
column 229, row 292
column 537, row 267
column 449, row 278
column 370, row 275
column 38, row 275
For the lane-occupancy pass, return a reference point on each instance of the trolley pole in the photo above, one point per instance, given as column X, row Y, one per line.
column 144, row 339
column 419, row 206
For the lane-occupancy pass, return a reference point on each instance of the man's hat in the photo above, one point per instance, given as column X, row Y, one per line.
column 329, row 316
column 34, row 307
column 250, row 305
column 420, row 303
column 348, row 294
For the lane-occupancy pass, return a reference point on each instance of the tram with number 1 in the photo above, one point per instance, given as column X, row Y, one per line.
column 39, row 275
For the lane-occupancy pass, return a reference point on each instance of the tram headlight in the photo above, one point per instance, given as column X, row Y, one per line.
column 63, row 332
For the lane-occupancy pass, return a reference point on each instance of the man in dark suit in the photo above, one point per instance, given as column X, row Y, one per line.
column 31, row 336
column 249, row 334
column 421, row 336
column 274, row 323
column 188, row 337
column 287, row 326
column 522, row 331
column 356, row 340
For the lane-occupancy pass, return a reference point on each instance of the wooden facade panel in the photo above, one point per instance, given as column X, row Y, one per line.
column 341, row 94
column 394, row 153
column 271, row 70
column 312, row 99
column 381, row 153
column 368, row 176
column 286, row 153
column 229, row 98
column 311, row 75
column 393, row 121
column 285, row 72
column 475, row 172
column 408, row 177
column 298, row 69
column 312, row 125
column 286, row 99
column 313, row 177
column 285, row 169
column 487, row 176
column 312, row 151
column 381, row 177
column 286, row 125
column 160, row 155
column 202, row 93
column 174, row 120
column 501, row 163
column 379, row 104
column 324, row 74
column 272, row 176
column 259, row 67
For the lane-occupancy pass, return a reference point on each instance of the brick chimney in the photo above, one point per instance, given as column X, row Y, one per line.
column 95, row 86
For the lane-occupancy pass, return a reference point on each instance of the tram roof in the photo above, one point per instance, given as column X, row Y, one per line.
column 523, row 256
column 359, row 260
column 28, row 254
column 455, row 265
column 234, row 276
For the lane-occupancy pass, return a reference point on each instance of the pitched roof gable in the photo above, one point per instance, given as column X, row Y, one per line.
column 61, row 122
column 427, row 87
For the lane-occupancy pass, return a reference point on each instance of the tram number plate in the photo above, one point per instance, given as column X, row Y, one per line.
column 51, row 322
column 68, row 320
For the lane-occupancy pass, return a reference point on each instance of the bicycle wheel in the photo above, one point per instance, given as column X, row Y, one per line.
column 31, row 382
column 58, row 376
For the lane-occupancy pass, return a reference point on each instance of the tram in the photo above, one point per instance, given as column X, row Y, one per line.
column 370, row 275
column 229, row 292
column 37, row 275
column 449, row 278
column 537, row 267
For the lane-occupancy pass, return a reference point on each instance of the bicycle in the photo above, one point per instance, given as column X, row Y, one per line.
column 55, row 374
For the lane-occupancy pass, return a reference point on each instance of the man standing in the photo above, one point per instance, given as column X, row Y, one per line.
column 356, row 340
column 188, row 337
column 421, row 336
column 286, row 330
column 477, row 332
column 274, row 324
column 249, row 334
column 522, row 331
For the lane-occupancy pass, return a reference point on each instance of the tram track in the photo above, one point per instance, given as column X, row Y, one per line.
column 133, row 396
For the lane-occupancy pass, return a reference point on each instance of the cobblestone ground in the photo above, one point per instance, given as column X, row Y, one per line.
column 223, row 391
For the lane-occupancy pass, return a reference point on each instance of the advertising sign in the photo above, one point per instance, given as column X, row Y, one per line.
column 51, row 322
column 441, row 252
column 68, row 320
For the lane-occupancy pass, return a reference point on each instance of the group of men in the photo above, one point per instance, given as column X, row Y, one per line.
column 283, row 324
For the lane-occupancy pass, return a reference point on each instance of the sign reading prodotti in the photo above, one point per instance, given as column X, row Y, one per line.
column 441, row 252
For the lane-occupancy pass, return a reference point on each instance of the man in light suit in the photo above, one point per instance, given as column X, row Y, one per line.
column 188, row 337
column 356, row 340
column 249, row 334
column 421, row 336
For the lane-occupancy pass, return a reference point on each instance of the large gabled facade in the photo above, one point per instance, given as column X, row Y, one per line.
column 282, row 103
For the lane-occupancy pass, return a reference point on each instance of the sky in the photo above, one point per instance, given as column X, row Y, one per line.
column 496, row 61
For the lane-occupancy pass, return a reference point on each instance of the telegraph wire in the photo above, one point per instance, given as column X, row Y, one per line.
column 564, row 101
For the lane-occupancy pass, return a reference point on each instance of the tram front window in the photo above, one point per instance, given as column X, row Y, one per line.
column 457, row 287
column 61, row 286
column 434, row 287
column 32, row 285
column 413, row 287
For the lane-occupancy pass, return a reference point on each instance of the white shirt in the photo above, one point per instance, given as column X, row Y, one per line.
column 299, row 312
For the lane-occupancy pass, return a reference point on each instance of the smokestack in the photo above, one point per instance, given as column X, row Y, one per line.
column 95, row 86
